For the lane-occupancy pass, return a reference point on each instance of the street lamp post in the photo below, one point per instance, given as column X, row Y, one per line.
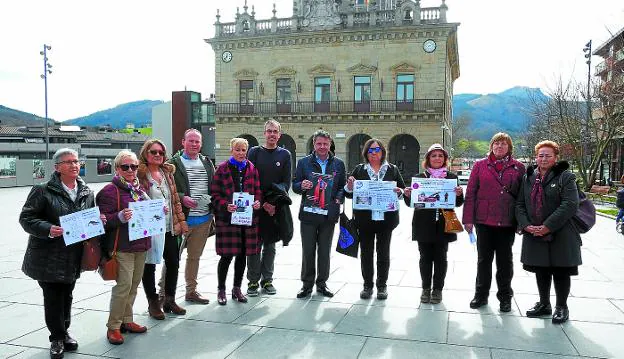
column 444, row 128
column 46, row 71
column 587, row 50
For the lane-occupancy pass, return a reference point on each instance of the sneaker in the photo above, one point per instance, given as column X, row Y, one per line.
column 268, row 288
column 252, row 289
column 425, row 296
column 366, row 293
column 382, row 293
column 436, row 296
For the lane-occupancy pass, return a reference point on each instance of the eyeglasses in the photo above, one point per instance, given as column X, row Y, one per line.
column 70, row 162
column 271, row 131
column 157, row 153
column 127, row 167
column 374, row 149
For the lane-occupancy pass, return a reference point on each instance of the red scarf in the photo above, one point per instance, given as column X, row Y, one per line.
column 537, row 198
column 498, row 164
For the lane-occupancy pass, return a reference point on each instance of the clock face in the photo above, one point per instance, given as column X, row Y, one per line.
column 226, row 56
column 429, row 46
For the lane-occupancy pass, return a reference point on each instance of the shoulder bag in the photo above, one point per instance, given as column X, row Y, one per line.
column 451, row 222
column 109, row 268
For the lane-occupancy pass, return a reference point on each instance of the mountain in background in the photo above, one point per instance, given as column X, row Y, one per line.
column 138, row 113
column 11, row 117
column 507, row 111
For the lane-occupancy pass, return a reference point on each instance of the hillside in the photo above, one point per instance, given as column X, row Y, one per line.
column 139, row 113
column 11, row 117
column 507, row 111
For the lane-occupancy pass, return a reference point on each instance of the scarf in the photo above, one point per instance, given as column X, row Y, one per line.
column 437, row 173
column 134, row 188
column 240, row 166
column 537, row 198
column 499, row 164
column 379, row 175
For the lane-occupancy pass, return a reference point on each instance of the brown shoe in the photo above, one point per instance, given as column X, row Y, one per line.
column 154, row 309
column 195, row 297
column 170, row 306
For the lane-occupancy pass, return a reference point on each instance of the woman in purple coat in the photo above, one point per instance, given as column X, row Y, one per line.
column 489, row 207
column 235, row 175
column 113, row 201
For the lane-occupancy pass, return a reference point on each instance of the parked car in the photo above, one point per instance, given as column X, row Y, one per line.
column 462, row 176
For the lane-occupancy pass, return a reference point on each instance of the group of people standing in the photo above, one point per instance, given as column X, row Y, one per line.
column 502, row 199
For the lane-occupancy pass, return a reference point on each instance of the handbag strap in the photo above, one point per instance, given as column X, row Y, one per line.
column 117, row 232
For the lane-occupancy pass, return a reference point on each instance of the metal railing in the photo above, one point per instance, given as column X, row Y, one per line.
column 333, row 107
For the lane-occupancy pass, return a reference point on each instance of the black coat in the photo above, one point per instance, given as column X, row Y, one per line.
column 559, row 206
column 278, row 227
column 425, row 228
column 48, row 259
column 363, row 218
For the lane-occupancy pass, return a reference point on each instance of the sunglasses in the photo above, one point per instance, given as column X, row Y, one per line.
column 157, row 153
column 374, row 149
column 127, row 167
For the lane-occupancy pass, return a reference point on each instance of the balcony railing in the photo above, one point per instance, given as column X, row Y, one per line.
column 332, row 107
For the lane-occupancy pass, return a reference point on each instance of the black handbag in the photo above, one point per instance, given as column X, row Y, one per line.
column 348, row 239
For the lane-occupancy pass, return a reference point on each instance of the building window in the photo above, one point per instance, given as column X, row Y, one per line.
column 322, row 87
column 283, row 91
column 405, row 92
column 362, row 88
column 246, row 96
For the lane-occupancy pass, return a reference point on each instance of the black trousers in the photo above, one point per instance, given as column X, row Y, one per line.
column 171, row 256
column 433, row 262
column 239, row 269
column 494, row 241
column 316, row 238
column 367, row 246
column 57, row 302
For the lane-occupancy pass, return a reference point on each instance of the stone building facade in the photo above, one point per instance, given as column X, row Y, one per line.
column 355, row 68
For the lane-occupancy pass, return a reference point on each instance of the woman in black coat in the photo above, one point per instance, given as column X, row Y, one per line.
column 428, row 228
column 551, row 245
column 48, row 260
column 373, row 224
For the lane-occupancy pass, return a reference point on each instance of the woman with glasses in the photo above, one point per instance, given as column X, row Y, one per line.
column 551, row 245
column 48, row 260
column 375, row 224
column 428, row 228
column 113, row 201
column 156, row 176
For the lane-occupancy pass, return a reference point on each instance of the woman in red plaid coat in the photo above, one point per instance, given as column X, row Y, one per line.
column 235, row 241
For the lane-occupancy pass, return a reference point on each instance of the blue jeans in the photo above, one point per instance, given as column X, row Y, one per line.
column 620, row 215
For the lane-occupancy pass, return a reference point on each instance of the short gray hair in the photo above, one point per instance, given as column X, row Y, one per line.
column 321, row 133
column 123, row 154
column 63, row 152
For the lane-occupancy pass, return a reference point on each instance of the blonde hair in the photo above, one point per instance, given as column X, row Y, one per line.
column 502, row 136
column 547, row 143
column 238, row 141
column 123, row 154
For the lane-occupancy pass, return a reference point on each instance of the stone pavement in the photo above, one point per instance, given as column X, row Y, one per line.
column 344, row 326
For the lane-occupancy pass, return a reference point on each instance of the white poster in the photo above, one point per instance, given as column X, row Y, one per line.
column 244, row 210
column 81, row 225
column 148, row 218
column 433, row 193
column 375, row 196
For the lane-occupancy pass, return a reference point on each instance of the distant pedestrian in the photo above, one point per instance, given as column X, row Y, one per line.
column 551, row 244
column 491, row 194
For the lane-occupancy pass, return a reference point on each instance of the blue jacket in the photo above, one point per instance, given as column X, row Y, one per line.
column 335, row 167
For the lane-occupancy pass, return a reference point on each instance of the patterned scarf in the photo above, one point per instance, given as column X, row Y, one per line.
column 134, row 188
column 437, row 172
column 499, row 164
column 379, row 175
column 537, row 198
column 239, row 165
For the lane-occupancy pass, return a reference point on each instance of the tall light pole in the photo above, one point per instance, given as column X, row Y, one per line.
column 588, row 53
column 47, row 69
column 444, row 128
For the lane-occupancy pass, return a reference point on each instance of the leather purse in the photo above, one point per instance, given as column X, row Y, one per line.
column 451, row 222
column 109, row 268
column 91, row 254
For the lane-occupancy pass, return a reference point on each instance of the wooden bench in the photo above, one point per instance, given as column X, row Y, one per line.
column 601, row 192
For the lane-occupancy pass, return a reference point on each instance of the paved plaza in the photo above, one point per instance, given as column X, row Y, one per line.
column 344, row 326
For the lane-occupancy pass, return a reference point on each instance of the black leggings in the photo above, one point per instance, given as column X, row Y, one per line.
column 433, row 262
column 562, row 287
column 171, row 255
column 239, row 269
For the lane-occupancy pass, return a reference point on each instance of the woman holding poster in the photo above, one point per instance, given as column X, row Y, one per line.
column 156, row 176
column 375, row 223
column 113, row 201
column 234, row 179
column 428, row 228
column 48, row 260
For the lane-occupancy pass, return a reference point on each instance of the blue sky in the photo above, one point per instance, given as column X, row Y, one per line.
column 109, row 52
